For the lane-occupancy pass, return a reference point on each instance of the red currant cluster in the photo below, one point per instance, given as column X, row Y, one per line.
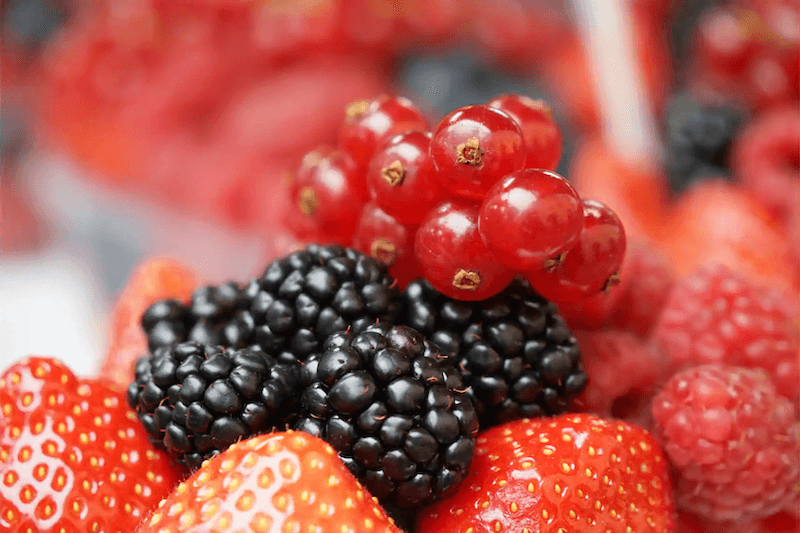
column 468, row 205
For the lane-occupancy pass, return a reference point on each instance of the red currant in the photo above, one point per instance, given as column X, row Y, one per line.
column 529, row 217
column 592, row 265
column 369, row 124
column 326, row 198
column 475, row 146
column 381, row 236
column 452, row 255
column 540, row 132
column 401, row 179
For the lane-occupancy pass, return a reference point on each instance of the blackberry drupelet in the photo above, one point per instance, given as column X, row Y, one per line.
column 698, row 142
column 289, row 311
column 396, row 414
column 514, row 351
column 196, row 400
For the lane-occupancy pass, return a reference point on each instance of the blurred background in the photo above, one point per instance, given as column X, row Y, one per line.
column 136, row 128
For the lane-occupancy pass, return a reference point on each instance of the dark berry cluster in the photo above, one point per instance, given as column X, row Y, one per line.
column 196, row 400
column 468, row 205
column 513, row 351
column 289, row 311
column 394, row 410
column 699, row 140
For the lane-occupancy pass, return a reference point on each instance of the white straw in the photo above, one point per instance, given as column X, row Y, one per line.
column 607, row 32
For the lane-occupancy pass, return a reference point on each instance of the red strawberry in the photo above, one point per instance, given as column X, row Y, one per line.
column 287, row 482
column 155, row 279
column 72, row 455
column 574, row 473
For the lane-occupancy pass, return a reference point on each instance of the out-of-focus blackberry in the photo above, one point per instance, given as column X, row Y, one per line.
column 397, row 416
column 514, row 351
column 196, row 400
column 289, row 311
column 698, row 141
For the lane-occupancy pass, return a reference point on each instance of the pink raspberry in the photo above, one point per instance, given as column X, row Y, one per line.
column 718, row 316
column 647, row 280
column 624, row 375
column 732, row 440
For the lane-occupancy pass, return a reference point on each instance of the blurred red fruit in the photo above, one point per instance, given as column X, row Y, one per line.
column 155, row 279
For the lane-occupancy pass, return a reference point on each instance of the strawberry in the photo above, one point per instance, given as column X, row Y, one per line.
column 288, row 482
column 153, row 280
column 72, row 455
column 574, row 473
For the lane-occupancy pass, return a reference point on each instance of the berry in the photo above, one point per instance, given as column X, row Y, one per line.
column 699, row 142
column 195, row 401
column 591, row 266
column 452, row 256
column 71, row 459
column 766, row 159
column 733, row 441
column 153, row 280
column 327, row 197
column 573, row 472
column 401, row 178
column 625, row 374
column 380, row 236
column 475, row 146
column 397, row 416
column 296, row 304
column 513, row 350
column 718, row 316
column 369, row 124
column 540, row 132
column 287, row 481
column 530, row 217
column 720, row 222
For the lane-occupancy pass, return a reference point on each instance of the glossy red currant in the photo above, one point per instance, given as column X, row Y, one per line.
column 370, row 123
column 473, row 147
column 452, row 255
column 592, row 265
column 326, row 199
column 530, row 217
column 381, row 236
column 541, row 133
column 401, row 179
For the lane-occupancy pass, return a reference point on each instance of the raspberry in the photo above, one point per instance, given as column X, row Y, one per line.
column 529, row 217
column 540, row 132
column 589, row 267
column 732, row 440
column 624, row 374
column 718, row 316
column 646, row 280
column 766, row 160
column 452, row 255
column 473, row 147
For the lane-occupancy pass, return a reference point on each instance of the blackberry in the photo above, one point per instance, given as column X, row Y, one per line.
column 396, row 415
column 699, row 141
column 289, row 311
column 514, row 351
column 196, row 400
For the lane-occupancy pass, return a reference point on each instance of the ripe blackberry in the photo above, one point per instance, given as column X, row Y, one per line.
column 514, row 351
column 698, row 142
column 196, row 400
column 296, row 304
column 395, row 413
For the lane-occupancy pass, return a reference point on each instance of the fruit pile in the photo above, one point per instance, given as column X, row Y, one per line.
column 454, row 341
